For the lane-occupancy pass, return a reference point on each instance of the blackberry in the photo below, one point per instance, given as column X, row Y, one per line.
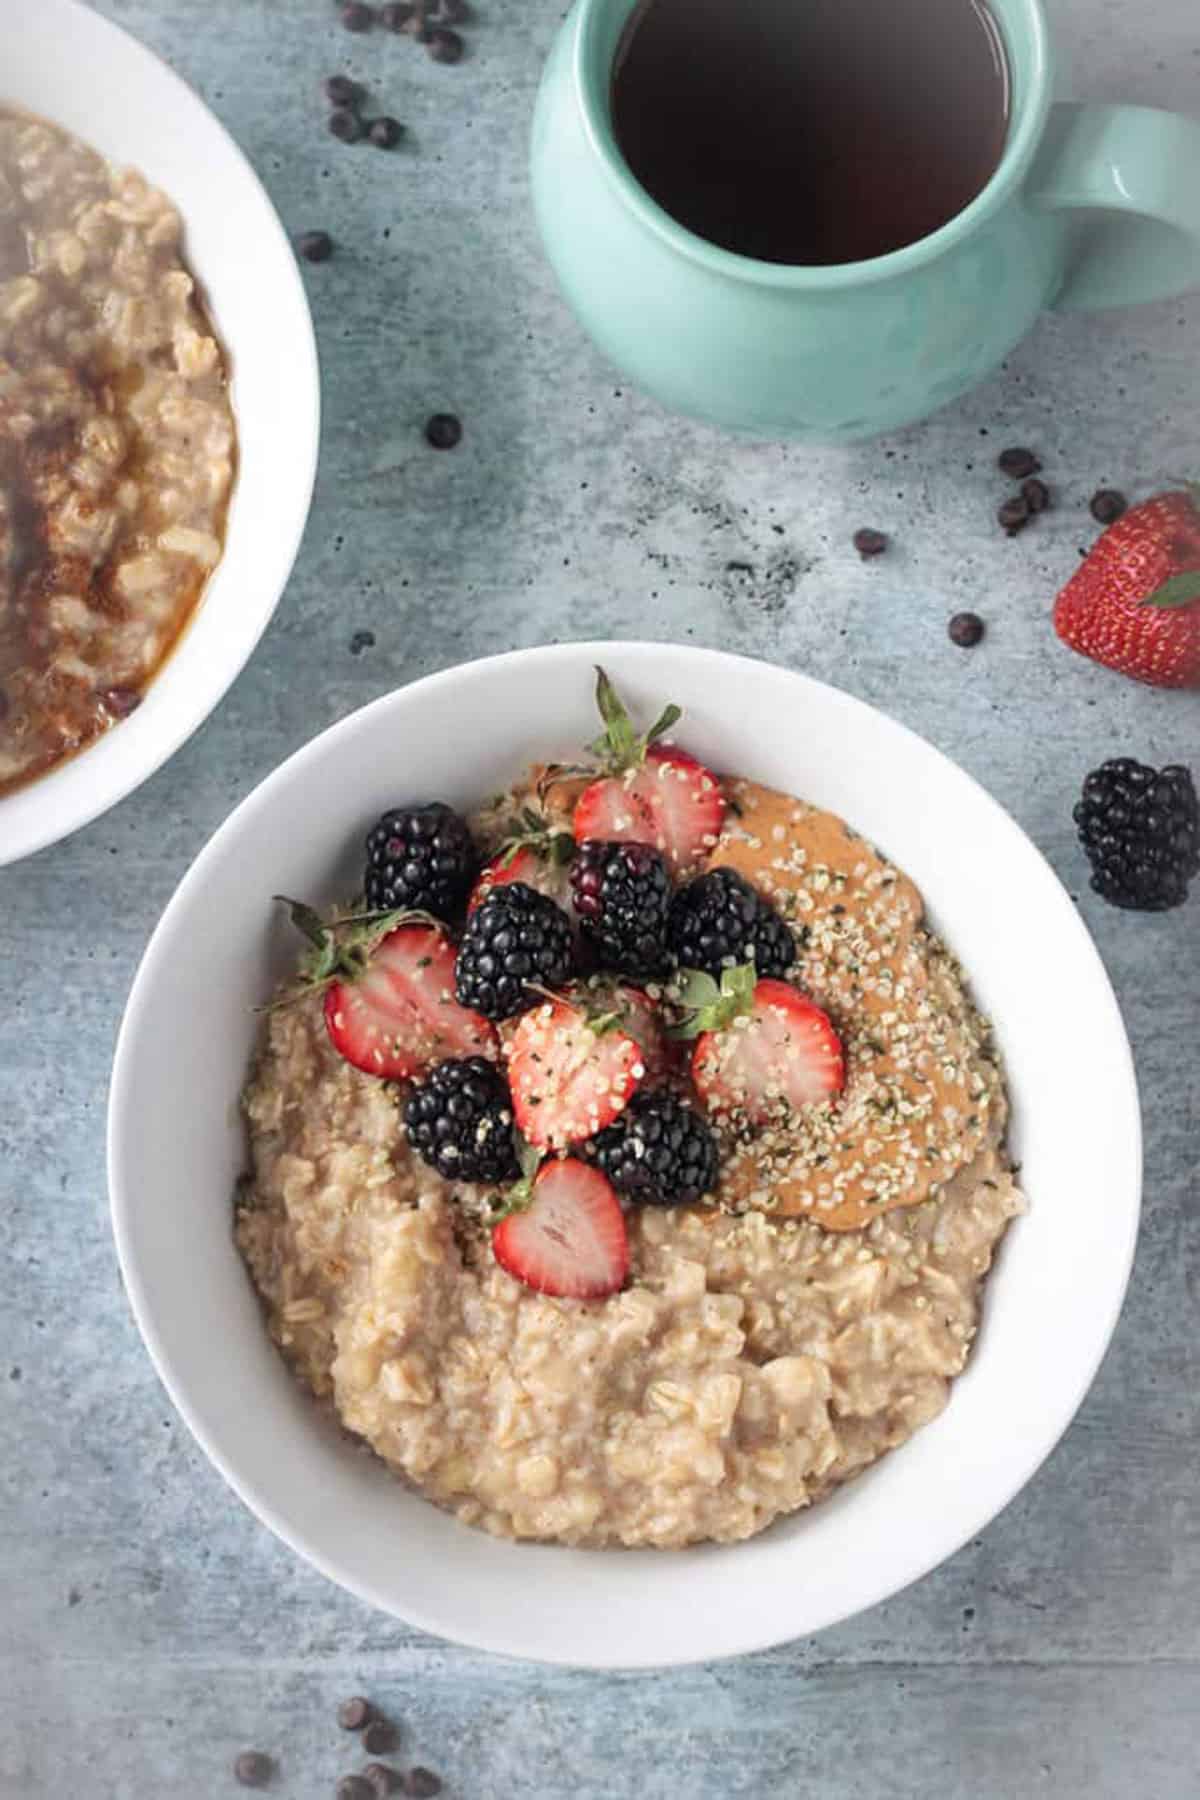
column 622, row 896
column 659, row 1152
column 514, row 937
column 1140, row 828
column 460, row 1120
column 420, row 857
column 719, row 921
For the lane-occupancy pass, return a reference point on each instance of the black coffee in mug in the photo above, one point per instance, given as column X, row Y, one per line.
column 811, row 131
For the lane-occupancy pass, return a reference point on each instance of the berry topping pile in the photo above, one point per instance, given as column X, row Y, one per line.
column 1140, row 828
column 545, row 1007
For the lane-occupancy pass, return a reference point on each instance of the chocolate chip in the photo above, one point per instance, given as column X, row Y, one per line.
column 422, row 1784
column 1014, row 514
column 252, row 1769
column 1035, row 494
column 341, row 91
column 362, row 640
column 396, row 16
column 3, row 703
column 379, row 1738
column 443, row 431
column 315, row 246
column 121, row 701
column 385, row 133
column 358, row 17
column 445, row 46
column 354, row 1787
column 870, row 543
column 353, row 1714
column 1106, row 505
column 383, row 1780
column 966, row 629
column 346, row 125
column 1018, row 462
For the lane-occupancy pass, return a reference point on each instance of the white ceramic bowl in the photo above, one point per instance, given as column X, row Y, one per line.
column 64, row 61
column 175, row 1149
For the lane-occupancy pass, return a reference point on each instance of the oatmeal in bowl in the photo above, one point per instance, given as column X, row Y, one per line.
column 627, row 1160
column 159, row 410
column 117, row 437
column 488, row 1406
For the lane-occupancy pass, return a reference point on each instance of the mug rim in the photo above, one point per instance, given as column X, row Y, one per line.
column 592, row 77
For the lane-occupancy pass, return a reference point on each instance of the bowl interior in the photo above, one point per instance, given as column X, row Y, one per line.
column 176, row 1148
column 70, row 65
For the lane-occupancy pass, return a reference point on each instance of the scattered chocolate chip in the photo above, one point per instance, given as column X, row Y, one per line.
column 385, row 133
column 315, row 246
column 445, row 46
column 252, row 1769
column 346, row 125
column 341, row 91
column 443, row 431
column 870, row 543
column 379, row 1738
column 1014, row 514
column 422, row 1784
column 3, row 703
column 358, row 17
column 354, row 1787
column 383, row 1780
column 1018, row 462
column 353, row 1714
column 1035, row 494
column 1106, row 505
column 966, row 629
column 362, row 640
column 121, row 701
column 397, row 15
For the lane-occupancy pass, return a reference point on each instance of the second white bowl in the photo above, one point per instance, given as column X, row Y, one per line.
column 65, row 62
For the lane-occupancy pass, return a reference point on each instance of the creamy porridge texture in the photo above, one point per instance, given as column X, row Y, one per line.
column 117, row 443
column 764, row 1348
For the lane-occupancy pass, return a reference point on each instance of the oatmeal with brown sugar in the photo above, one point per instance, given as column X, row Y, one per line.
column 766, row 1345
column 117, row 443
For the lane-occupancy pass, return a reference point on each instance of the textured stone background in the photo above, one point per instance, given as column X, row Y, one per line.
column 149, row 1627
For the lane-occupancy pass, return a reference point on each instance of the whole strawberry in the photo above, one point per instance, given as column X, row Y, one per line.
column 1134, row 602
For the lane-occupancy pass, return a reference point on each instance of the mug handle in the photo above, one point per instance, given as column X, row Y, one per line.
column 1136, row 171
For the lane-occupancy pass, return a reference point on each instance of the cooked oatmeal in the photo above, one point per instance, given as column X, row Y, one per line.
column 117, row 443
column 766, row 1348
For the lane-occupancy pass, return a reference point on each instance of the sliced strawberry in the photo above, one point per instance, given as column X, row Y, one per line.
column 527, row 865
column 637, row 1014
column 651, row 792
column 770, row 1049
column 570, row 1074
column 570, row 1240
column 671, row 801
column 399, row 1015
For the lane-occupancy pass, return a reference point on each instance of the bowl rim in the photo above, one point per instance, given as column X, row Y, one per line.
column 69, row 795
column 746, row 1638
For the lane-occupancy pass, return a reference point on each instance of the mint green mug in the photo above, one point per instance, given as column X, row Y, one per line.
column 1090, row 206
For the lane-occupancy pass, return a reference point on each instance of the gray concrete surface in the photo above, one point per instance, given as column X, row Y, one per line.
column 149, row 1628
